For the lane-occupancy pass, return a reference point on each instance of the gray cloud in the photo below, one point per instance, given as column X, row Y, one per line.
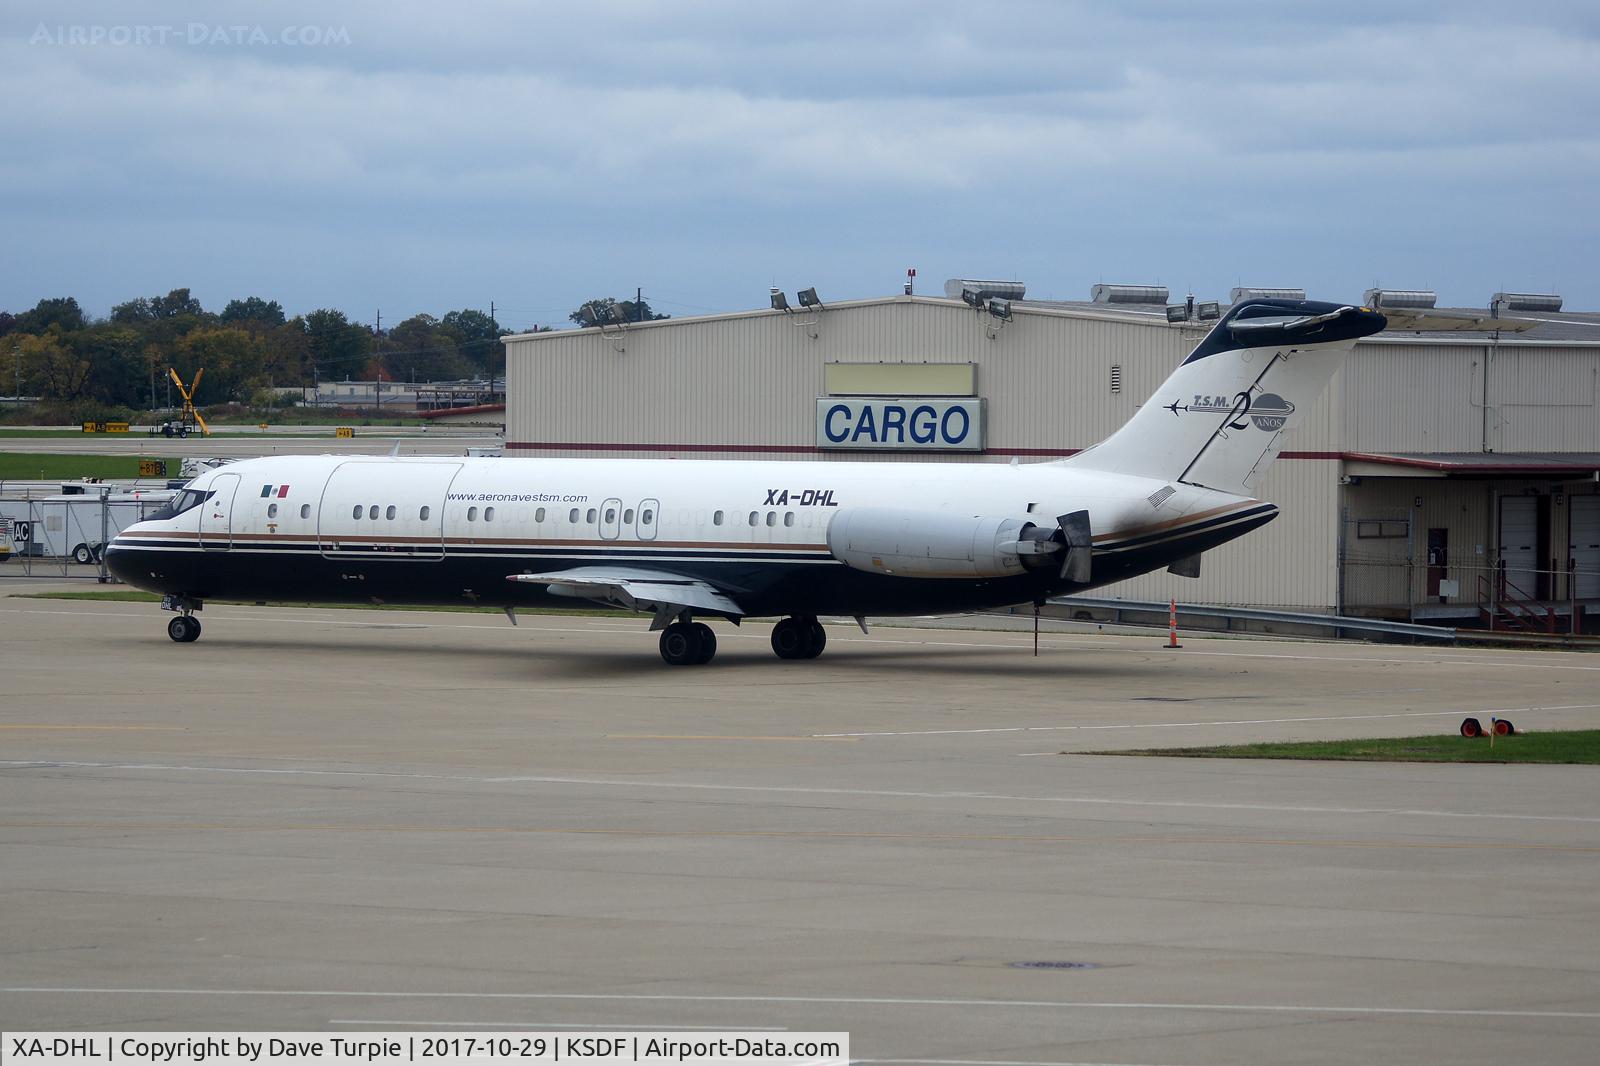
column 710, row 147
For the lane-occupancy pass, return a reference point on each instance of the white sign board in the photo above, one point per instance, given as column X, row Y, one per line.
column 902, row 425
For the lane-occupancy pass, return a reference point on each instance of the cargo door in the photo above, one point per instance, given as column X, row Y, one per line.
column 1584, row 517
column 216, row 513
column 1519, row 546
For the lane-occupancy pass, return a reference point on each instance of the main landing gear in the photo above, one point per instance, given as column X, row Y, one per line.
column 688, row 644
column 185, row 629
column 799, row 638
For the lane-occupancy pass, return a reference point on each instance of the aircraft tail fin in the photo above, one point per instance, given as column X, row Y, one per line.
column 1219, row 420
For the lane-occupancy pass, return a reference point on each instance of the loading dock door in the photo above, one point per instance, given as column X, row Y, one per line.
column 1584, row 516
column 1519, row 545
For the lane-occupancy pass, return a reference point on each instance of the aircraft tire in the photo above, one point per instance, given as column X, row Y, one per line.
column 817, row 639
column 184, row 629
column 708, row 643
column 791, row 639
column 681, row 644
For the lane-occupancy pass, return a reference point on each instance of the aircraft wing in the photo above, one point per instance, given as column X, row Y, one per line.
column 637, row 589
column 1400, row 319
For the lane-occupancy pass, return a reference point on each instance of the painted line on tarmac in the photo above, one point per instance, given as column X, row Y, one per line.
column 597, row 1027
column 95, row 728
column 1191, row 725
column 863, row 1001
column 801, row 790
column 691, row 736
column 1183, row 840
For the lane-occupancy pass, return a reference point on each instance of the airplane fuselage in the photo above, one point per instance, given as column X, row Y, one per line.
column 453, row 530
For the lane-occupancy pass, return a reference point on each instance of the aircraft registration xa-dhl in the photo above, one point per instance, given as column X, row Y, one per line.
column 689, row 540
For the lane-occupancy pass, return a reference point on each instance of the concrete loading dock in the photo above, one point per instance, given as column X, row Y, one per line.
column 345, row 819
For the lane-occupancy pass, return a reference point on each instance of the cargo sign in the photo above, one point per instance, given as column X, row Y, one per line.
column 910, row 425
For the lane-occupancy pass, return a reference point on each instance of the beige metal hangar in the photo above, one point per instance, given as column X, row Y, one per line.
column 1443, row 476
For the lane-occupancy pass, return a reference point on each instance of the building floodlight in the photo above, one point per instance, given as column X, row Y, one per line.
column 1000, row 309
column 808, row 298
column 972, row 296
column 1177, row 313
column 589, row 319
column 1208, row 311
column 780, row 302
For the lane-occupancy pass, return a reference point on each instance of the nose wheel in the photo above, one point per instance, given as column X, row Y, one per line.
column 185, row 629
column 799, row 638
column 688, row 644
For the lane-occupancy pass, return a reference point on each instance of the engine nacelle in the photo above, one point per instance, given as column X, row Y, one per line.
column 881, row 540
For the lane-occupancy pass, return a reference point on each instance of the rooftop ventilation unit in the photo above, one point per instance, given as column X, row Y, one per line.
column 976, row 292
column 1525, row 301
column 1418, row 299
column 1128, row 294
column 1237, row 295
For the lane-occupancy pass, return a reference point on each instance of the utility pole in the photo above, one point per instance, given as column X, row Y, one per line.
column 494, row 332
column 638, row 304
column 377, row 348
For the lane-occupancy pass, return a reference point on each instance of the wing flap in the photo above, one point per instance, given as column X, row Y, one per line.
column 636, row 589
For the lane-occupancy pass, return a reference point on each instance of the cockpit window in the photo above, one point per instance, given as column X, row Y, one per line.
column 186, row 500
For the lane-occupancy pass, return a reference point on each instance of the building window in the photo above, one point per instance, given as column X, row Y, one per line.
column 472, row 514
column 538, row 516
column 305, row 510
column 356, row 511
column 372, row 512
column 389, row 512
column 1378, row 529
column 488, row 514
column 422, row 515
column 272, row 510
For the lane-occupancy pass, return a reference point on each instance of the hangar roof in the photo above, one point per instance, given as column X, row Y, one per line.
column 1553, row 327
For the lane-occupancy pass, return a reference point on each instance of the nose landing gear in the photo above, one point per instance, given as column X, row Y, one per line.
column 799, row 638
column 185, row 629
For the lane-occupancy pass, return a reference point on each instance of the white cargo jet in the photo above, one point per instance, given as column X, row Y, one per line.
column 685, row 541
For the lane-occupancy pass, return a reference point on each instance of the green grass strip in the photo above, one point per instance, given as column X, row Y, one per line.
column 23, row 466
column 1570, row 746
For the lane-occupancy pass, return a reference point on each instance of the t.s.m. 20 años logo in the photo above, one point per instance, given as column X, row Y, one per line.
column 1269, row 411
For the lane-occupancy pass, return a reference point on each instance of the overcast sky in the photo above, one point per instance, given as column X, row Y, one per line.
column 408, row 157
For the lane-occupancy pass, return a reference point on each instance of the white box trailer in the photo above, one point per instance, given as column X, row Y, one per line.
column 75, row 526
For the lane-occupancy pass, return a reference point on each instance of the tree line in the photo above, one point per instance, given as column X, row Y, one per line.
column 70, row 359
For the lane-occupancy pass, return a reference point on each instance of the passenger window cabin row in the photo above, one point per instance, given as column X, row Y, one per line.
column 574, row 517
